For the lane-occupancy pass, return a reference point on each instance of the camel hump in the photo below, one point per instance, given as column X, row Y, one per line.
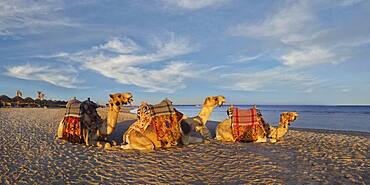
column 165, row 107
column 244, row 123
column 146, row 112
column 73, row 107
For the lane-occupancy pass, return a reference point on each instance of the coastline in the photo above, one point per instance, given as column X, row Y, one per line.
column 30, row 154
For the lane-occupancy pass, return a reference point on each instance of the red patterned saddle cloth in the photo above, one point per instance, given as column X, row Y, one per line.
column 244, row 124
column 72, row 130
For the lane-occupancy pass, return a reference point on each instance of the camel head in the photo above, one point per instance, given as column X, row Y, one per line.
column 122, row 98
column 213, row 101
column 119, row 99
column 287, row 117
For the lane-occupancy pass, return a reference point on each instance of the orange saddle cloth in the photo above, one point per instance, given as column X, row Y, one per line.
column 165, row 119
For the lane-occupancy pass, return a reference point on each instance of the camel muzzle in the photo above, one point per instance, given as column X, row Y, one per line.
column 294, row 118
column 129, row 101
column 221, row 104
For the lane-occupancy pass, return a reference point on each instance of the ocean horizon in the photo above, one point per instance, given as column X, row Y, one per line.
column 328, row 117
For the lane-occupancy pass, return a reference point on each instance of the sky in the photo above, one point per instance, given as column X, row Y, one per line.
column 310, row 52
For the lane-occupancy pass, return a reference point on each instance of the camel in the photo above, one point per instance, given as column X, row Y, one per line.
column 100, row 135
column 136, row 139
column 199, row 122
column 264, row 130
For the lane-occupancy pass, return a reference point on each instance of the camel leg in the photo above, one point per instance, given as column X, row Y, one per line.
column 60, row 130
column 277, row 134
column 261, row 133
column 261, row 140
column 89, row 138
column 204, row 131
column 188, row 139
column 223, row 131
column 137, row 141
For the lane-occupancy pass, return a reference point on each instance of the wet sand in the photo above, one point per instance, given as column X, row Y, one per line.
column 30, row 154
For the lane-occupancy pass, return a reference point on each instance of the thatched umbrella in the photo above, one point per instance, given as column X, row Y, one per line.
column 5, row 98
column 5, row 101
column 17, row 100
column 29, row 101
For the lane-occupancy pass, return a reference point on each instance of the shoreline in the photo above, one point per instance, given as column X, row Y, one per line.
column 328, row 131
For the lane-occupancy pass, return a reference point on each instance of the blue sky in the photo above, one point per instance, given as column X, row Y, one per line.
column 257, row 52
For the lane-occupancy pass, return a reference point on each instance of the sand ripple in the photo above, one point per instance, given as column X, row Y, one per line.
column 29, row 154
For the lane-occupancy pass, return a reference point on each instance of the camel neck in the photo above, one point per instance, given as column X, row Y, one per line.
column 111, row 120
column 204, row 113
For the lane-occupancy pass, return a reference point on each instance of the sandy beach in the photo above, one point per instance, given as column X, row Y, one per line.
column 30, row 154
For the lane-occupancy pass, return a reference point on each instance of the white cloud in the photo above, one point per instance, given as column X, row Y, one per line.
column 248, row 58
column 131, row 65
column 308, row 57
column 194, row 4
column 270, row 80
column 348, row 2
column 60, row 77
column 21, row 17
column 286, row 22
column 167, row 79
column 125, row 45
column 304, row 40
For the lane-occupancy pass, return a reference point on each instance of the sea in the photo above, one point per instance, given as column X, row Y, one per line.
column 344, row 118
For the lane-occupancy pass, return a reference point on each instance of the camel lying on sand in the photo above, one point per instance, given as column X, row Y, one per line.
column 139, row 137
column 259, row 132
column 91, row 129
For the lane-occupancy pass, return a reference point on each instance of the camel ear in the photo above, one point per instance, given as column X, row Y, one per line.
column 111, row 96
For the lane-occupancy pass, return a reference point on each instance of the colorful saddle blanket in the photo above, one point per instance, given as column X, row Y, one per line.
column 164, row 117
column 167, row 128
column 147, row 112
column 72, row 130
column 244, row 124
